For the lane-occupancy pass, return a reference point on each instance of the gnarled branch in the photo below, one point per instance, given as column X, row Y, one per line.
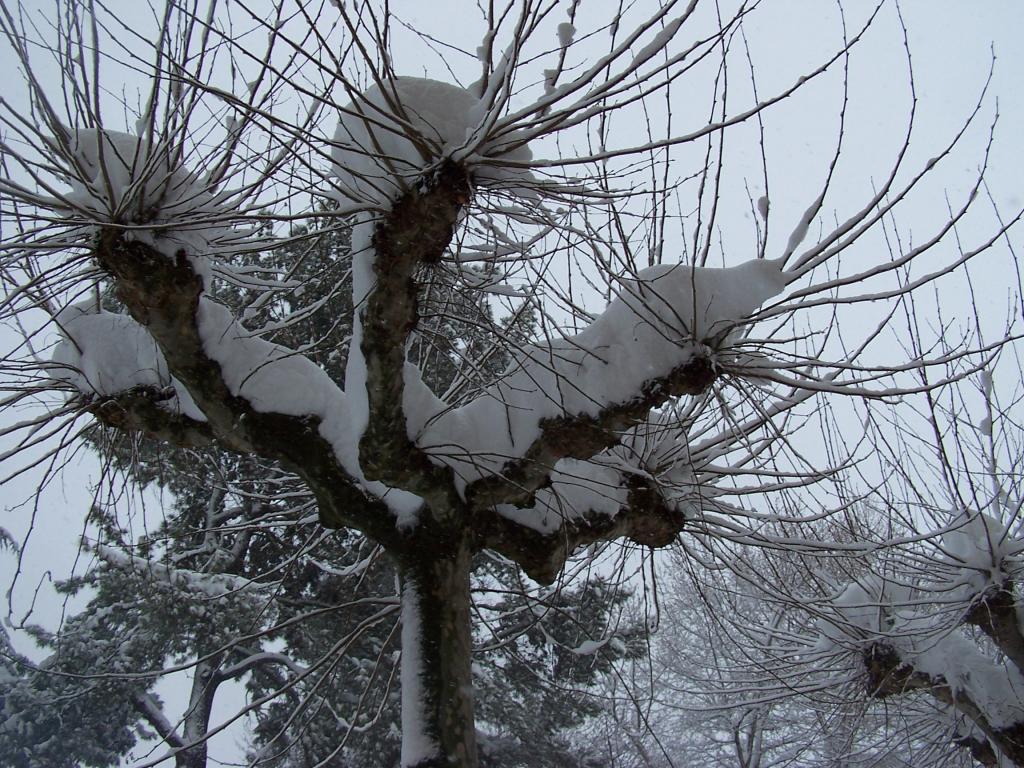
column 583, row 436
column 889, row 674
column 163, row 294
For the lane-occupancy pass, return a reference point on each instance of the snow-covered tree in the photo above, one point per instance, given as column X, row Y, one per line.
column 911, row 650
column 89, row 700
column 664, row 392
column 245, row 519
column 732, row 686
column 936, row 624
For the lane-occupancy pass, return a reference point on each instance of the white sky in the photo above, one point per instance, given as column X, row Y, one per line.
column 951, row 42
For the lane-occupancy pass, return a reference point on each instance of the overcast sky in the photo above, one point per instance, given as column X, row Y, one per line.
column 952, row 44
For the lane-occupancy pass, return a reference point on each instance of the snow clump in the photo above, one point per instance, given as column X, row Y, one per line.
column 104, row 353
column 388, row 137
column 981, row 553
column 118, row 174
column 120, row 178
column 659, row 321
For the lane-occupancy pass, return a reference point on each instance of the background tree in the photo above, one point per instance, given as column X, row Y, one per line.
column 904, row 657
column 936, row 622
column 739, row 679
column 254, row 522
column 661, row 397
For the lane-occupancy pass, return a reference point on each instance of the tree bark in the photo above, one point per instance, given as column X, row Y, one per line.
column 205, row 682
column 438, row 728
column 889, row 675
column 995, row 613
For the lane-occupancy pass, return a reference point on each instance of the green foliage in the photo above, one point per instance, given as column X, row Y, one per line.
column 545, row 656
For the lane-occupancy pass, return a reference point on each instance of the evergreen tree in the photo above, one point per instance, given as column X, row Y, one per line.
column 240, row 565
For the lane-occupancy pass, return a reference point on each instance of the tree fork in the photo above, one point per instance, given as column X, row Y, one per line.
column 889, row 675
column 163, row 295
column 417, row 231
column 995, row 613
column 582, row 436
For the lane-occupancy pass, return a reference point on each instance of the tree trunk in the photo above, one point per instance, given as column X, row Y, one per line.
column 438, row 729
column 197, row 718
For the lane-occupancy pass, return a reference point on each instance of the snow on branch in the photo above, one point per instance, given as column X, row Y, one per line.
column 143, row 186
column 912, row 637
column 210, row 585
column 395, row 131
column 980, row 555
column 954, row 672
column 103, row 353
column 663, row 323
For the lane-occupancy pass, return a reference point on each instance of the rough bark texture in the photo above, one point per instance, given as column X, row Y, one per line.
column 995, row 613
column 140, row 410
column 580, row 437
column 435, row 578
column 980, row 750
column 416, row 231
column 889, row 675
column 192, row 749
column 163, row 294
column 646, row 519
